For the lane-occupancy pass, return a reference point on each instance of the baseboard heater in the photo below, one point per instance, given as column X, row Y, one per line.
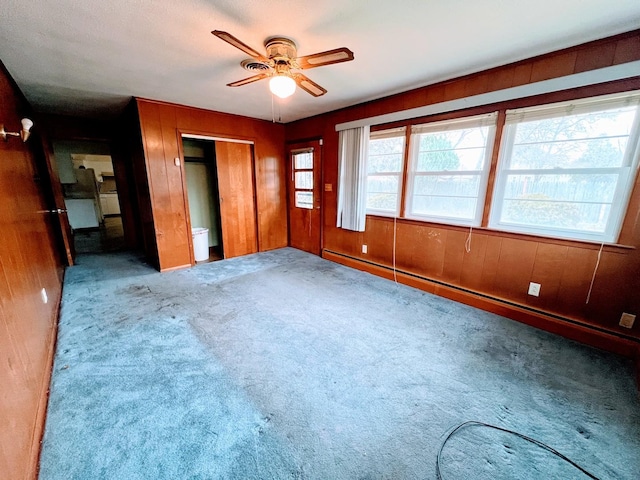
column 593, row 335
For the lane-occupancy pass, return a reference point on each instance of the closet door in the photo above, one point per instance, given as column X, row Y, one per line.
column 234, row 163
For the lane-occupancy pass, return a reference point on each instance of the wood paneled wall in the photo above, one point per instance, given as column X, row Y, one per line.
column 499, row 265
column 29, row 262
column 162, row 125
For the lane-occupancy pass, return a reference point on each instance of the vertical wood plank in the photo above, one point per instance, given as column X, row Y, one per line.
column 548, row 261
column 237, row 208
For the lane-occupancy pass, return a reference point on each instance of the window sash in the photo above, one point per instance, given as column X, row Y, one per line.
column 475, row 218
column 625, row 173
column 302, row 162
column 398, row 133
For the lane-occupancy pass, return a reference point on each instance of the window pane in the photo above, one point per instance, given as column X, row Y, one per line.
column 385, row 155
column 304, row 180
column 571, row 188
column 447, row 185
column 446, row 196
column 382, row 201
column 382, row 192
column 589, row 140
column 303, row 160
column 546, row 213
column 578, row 202
column 456, row 150
column 383, row 184
column 304, row 200
column 565, row 169
column 461, row 208
column 386, row 163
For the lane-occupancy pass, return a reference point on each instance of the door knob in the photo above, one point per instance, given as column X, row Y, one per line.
column 55, row 210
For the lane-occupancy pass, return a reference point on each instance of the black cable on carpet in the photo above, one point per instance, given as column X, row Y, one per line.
column 524, row 437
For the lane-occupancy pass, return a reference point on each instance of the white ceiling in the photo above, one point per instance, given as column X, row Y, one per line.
column 88, row 57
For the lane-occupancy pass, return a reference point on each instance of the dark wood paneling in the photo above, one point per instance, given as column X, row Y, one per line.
column 271, row 191
column 29, row 261
column 549, row 258
column 162, row 125
column 500, row 265
column 165, row 185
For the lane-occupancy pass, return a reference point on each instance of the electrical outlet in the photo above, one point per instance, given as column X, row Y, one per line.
column 43, row 295
column 534, row 289
column 627, row 319
column 364, row 248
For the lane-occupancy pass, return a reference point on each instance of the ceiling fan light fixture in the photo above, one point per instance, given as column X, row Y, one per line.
column 282, row 86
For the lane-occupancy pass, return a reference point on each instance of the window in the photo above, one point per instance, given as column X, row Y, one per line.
column 449, row 167
column 384, row 171
column 566, row 170
column 303, row 178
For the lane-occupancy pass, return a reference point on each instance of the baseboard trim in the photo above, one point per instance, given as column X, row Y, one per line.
column 566, row 327
column 179, row 267
column 41, row 416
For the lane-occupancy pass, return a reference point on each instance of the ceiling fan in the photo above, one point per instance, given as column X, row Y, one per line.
column 280, row 62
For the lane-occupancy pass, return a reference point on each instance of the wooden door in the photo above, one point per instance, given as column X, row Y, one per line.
column 234, row 162
column 304, row 197
column 57, row 207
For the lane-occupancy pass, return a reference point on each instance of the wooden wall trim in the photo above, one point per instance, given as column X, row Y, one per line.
column 41, row 416
column 569, row 328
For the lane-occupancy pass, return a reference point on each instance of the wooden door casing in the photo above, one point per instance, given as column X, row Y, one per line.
column 58, row 209
column 234, row 162
column 305, row 223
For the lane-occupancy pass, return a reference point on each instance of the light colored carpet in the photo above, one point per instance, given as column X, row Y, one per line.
column 282, row 365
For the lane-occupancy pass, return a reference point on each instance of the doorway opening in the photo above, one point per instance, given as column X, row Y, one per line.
column 90, row 195
column 204, row 197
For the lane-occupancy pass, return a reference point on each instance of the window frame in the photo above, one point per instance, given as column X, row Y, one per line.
column 399, row 132
column 484, row 120
column 295, row 170
column 626, row 172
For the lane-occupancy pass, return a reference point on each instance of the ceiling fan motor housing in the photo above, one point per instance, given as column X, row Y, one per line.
column 281, row 49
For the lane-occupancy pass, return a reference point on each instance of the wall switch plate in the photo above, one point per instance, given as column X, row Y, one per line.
column 627, row 319
column 43, row 295
column 534, row 289
column 176, row 161
column 364, row 248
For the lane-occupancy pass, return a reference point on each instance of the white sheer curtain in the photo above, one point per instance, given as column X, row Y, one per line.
column 352, row 178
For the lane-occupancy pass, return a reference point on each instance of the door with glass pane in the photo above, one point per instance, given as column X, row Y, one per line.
column 304, row 197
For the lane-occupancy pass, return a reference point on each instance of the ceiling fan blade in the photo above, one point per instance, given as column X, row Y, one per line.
column 231, row 40
column 248, row 80
column 309, row 86
column 329, row 57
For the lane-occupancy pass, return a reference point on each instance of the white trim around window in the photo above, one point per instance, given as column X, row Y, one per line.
column 566, row 170
column 449, row 168
column 385, row 165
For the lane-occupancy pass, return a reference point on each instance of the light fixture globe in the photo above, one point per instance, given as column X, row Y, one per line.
column 282, row 86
